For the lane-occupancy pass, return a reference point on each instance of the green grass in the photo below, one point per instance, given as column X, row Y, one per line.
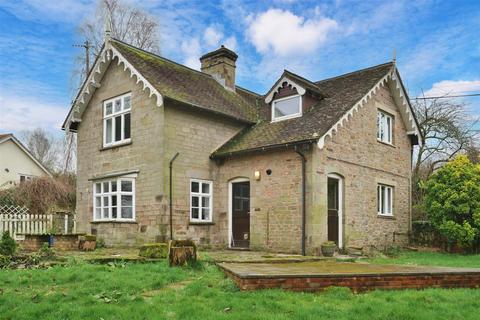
column 431, row 259
column 155, row 291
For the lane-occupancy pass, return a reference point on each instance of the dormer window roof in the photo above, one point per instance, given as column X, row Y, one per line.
column 286, row 96
column 301, row 85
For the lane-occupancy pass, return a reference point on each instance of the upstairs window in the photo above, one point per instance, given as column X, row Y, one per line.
column 200, row 201
column 116, row 120
column 384, row 127
column 384, row 200
column 286, row 108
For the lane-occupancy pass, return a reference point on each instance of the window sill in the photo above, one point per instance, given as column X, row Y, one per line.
column 126, row 143
column 293, row 116
column 384, row 216
column 199, row 223
column 114, row 221
column 386, row 143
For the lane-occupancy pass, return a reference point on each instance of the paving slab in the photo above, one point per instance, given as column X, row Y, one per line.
column 318, row 275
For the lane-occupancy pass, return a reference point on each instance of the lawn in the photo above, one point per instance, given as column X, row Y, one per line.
column 155, row 291
column 431, row 259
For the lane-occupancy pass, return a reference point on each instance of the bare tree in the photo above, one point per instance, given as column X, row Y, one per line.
column 447, row 129
column 129, row 24
column 69, row 163
column 44, row 147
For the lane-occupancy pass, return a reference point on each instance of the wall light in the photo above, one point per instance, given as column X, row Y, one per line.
column 257, row 175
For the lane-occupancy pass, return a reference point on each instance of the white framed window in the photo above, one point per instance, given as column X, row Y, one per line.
column 114, row 200
column 25, row 178
column 201, row 200
column 286, row 108
column 117, row 120
column 385, row 200
column 384, row 127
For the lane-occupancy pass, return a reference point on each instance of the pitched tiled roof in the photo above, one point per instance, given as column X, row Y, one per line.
column 343, row 92
column 5, row 135
column 186, row 85
column 307, row 84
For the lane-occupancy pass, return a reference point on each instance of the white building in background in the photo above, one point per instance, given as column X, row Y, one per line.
column 17, row 164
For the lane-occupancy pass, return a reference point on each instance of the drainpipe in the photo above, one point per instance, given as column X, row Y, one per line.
column 171, row 195
column 303, row 199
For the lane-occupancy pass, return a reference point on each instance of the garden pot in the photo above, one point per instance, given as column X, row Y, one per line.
column 328, row 249
column 51, row 239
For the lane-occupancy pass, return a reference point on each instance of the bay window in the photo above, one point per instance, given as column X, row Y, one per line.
column 114, row 199
column 116, row 120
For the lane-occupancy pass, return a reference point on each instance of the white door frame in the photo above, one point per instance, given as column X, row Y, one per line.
column 340, row 206
column 230, row 203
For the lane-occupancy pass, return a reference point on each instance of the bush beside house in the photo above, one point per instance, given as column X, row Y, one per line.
column 452, row 202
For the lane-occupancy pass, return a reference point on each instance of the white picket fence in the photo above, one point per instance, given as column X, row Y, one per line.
column 17, row 220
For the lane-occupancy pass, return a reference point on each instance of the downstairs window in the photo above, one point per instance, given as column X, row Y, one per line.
column 200, row 201
column 114, row 199
column 385, row 200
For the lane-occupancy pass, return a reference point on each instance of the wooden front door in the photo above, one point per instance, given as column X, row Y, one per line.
column 333, row 209
column 240, row 214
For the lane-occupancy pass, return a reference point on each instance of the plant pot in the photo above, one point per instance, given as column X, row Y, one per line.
column 328, row 249
column 51, row 240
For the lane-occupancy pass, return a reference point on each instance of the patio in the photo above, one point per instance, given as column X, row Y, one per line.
column 359, row 277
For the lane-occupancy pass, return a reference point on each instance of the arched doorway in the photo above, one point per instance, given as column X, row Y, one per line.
column 335, row 209
column 239, row 213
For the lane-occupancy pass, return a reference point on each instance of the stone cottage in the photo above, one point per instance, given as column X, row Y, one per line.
column 165, row 151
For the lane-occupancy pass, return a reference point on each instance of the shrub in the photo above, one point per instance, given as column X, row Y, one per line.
column 8, row 246
column 100, row 243
column 452, row 201
column 46, row 251
column 154, row 250
column 41, row 194
column 392, row 250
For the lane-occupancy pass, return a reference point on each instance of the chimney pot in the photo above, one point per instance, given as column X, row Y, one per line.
column 220, row 64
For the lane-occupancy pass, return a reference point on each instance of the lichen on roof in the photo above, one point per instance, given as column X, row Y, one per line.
column 342, row 94
column 187, row 85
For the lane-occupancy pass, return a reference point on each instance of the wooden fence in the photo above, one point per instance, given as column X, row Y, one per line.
column 17, row 220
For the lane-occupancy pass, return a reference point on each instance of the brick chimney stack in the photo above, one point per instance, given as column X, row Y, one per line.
column 220, row 64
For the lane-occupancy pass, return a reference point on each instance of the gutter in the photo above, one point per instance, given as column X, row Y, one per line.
column 171, row 194
column 266, row 148
column 304, row 218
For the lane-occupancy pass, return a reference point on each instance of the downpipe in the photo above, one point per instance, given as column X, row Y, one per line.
column 171, row 194
column 304, row 160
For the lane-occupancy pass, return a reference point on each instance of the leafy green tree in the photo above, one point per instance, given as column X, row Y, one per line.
column 452, row 201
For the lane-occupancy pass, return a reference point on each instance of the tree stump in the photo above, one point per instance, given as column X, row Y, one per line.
column 87, row 243
column 181, row 252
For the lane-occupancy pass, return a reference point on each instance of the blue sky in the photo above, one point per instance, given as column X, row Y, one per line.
column 437, row 45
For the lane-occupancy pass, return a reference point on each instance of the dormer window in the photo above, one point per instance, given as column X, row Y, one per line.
column 287, row 108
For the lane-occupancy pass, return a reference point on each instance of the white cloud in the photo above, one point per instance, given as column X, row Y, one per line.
column 192, row 51
column 231, row 43
column 287, row 34
column 27, row 112
column 452, row 87
column 212, row 36
column 70, row 11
